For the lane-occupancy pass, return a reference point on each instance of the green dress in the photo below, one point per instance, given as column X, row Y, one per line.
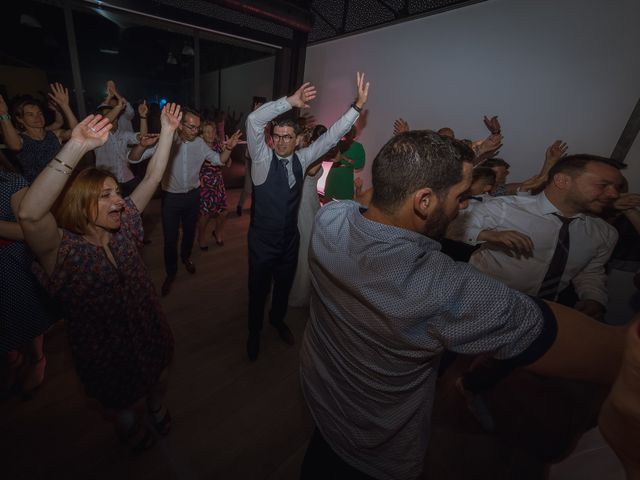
column 339, row 183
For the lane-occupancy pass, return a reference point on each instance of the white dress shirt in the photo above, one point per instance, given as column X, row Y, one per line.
column 261, row 154
column 183, row 171
column 113, row 155
column 591, row 243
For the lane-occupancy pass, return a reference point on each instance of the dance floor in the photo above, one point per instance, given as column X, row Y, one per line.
column 233, row 419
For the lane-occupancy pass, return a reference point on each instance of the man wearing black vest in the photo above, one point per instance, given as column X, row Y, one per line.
column 277, row 174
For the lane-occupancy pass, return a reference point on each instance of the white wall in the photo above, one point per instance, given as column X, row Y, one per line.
column 550, row 69
column 239, row 85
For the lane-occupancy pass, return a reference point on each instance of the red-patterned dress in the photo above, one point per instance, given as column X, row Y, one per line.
column 119, row 337
column 213, row 196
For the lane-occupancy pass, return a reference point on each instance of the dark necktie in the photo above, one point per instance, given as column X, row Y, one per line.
column 284, row 163
column 549, row 287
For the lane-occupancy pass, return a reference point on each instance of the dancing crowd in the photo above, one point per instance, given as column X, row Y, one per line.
column 441, row 256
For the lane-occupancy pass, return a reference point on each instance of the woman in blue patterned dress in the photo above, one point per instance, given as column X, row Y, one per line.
column 25, row 312
column 34, row 143
column 89, row 260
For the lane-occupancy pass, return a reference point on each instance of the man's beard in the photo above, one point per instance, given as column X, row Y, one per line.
column 437, row 224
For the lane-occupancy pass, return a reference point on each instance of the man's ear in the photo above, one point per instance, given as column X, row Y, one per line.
column 562, row 180
column 298, row 140
column 423, row 201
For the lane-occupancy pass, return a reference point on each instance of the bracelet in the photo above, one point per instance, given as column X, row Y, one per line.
column 62, row 163
column 5, row 116
column 356, row 108
column 58, row 170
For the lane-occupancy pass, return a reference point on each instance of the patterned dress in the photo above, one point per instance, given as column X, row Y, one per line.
column 213, row 196
column 24, row 305
column 36, row 154
column 119, row 337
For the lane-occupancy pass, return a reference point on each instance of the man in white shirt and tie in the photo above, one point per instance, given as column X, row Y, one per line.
column 539, row 244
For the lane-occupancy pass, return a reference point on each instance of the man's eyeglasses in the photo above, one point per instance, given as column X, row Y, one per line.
column 191, row 127
column 284, row 138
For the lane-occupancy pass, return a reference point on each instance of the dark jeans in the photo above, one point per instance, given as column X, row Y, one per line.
column 179, row 209
column 271, row 258
column 322, row 463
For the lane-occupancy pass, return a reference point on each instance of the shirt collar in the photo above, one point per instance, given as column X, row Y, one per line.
column 548, row 208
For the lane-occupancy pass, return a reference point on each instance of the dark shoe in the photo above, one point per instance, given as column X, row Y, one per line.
column 204, row 249
column 253, row 346
column 239, row 210
column 285, row 333
column 477, row 407
column 188, row 264
column 161, row 422
column 166, row 285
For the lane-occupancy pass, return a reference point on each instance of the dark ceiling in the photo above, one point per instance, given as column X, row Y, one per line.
column 142, row 34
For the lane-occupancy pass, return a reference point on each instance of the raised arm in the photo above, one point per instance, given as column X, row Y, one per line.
column 9, row 132
column 229, row 145
column 60, row 96
column 331, row 137
column 58, row 122
column 34, row 214
column 143, row 111
column 169, row 119
column 400, row 126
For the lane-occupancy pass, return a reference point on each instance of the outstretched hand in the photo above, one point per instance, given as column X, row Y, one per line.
column 304, row 94
column 492, row 124
column 490, row 144
column 148, row 139
column 92, row 132
column 555, row 152
column 233, row 140
column 59, row 94
column 143, row 109
column 170, row 117
column 400, row 126
column 363, row 90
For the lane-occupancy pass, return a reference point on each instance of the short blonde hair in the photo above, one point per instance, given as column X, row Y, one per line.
column 77, row 207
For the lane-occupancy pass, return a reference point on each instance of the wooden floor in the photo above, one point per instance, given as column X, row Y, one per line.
column 239, row 420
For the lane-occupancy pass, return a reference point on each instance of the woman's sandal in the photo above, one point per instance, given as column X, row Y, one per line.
column 139, row 437
column 161, row 422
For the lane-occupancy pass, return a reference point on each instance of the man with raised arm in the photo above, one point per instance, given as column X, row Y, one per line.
column 277, row 174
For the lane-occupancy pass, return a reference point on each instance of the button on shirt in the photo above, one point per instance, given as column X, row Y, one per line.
column 260, row 153
column 113, row 155
column 385, row 304
column 183, row 171
column 592, row 242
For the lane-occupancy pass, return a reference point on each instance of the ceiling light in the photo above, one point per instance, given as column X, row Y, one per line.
column 171, row 59
column 188, row 50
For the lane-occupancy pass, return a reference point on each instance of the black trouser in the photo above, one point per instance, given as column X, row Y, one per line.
column 272, row 257
column 321, row 462
column 177, row 209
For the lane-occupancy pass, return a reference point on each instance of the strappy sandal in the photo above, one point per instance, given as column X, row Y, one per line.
column 139, row 437
column 162, row 425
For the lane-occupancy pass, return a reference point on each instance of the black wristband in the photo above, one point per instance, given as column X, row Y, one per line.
column 356, row 108
column 143, row 118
